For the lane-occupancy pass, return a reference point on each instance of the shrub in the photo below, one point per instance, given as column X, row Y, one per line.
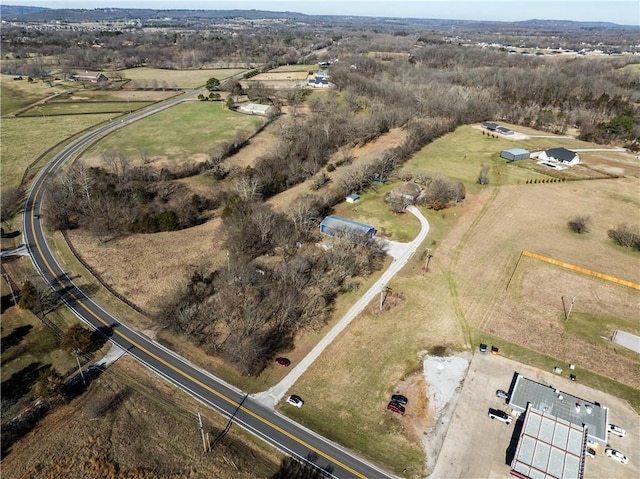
column 579, row 224
column 483, row 176
column 625, row 236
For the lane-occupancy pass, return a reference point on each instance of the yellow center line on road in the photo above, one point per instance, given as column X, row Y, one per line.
column 179, row 371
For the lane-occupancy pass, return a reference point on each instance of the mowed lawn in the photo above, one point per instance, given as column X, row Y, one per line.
column 183, row 132
column 460, row 155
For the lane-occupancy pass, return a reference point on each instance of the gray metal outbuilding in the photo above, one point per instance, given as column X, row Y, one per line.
column 515, row 154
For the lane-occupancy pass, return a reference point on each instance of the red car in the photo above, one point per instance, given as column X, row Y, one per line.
column 283, row 362
column 395, row 407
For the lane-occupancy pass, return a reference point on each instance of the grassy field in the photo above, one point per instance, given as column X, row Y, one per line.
column 460, row 155
column 187, row 131
column 16, row 94
column 25, row 139
column 371, row 209
column 181, row 78
column 462, row 298
column 295, row 68
column 83, row 108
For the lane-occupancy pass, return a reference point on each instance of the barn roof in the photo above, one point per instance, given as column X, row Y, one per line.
column 517, row 151
column 338, row 223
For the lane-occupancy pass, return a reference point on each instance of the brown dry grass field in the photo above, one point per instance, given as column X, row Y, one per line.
column 530, row 312
column 179, row 78
column 130, row 424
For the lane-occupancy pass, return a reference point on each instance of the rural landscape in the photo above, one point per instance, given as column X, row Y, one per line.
column 182, row 174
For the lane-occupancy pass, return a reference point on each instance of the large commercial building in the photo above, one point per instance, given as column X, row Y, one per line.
column 563, row 406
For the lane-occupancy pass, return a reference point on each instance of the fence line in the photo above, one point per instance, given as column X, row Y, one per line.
column 582, row 270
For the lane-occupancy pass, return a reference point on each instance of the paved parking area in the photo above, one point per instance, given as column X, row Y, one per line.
column 476, row 446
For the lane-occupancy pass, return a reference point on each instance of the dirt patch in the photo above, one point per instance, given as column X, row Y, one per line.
column 444, row 377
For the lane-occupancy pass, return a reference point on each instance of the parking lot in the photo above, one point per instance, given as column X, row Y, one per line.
column 476, row 446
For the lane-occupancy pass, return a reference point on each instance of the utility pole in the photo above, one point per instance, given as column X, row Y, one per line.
column 76, row 353
column 571, row 307
column 426, row 263
column 204, row 440
column 383, row 295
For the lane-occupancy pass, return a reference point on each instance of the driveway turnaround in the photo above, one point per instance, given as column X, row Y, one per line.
column 275, row 394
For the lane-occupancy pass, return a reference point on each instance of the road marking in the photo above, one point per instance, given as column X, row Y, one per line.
column 171, row 366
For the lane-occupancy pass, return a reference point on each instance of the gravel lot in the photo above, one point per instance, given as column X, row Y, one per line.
column 475, row 446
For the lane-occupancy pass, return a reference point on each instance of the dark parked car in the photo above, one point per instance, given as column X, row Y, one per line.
column 400, row 399
column 500, row 415
column 395, row 407
column 283, row 362
column 483, row 348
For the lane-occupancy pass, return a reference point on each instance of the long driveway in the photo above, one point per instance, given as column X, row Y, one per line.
column 401, row 253
column 273, row 428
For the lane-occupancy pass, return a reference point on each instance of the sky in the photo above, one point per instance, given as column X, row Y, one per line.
column 625, row 12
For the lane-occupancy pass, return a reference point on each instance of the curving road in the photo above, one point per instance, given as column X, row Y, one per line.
column 282, row 433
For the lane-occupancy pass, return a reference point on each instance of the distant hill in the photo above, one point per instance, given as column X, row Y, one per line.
column 12, row 11
column 38, row 14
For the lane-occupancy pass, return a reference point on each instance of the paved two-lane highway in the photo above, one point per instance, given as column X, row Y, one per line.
column 267, row 424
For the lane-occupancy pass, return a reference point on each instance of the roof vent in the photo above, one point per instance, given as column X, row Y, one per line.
column 560, row 398
column 577, row 408
column 588, row 408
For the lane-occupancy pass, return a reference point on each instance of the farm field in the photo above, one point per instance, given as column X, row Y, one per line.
column 189, row 79
column 188, row 132
column 476, row 245
column 17, row 94
column 24, row 140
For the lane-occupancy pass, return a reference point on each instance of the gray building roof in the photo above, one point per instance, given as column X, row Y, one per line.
column 560, row 404
column 338, row 226
column 518, row 151
column 549, row 447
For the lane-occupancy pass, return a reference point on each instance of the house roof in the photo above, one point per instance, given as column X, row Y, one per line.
column 561, row 154
column 354, row 195
column 561, row 405
column 409, row 189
